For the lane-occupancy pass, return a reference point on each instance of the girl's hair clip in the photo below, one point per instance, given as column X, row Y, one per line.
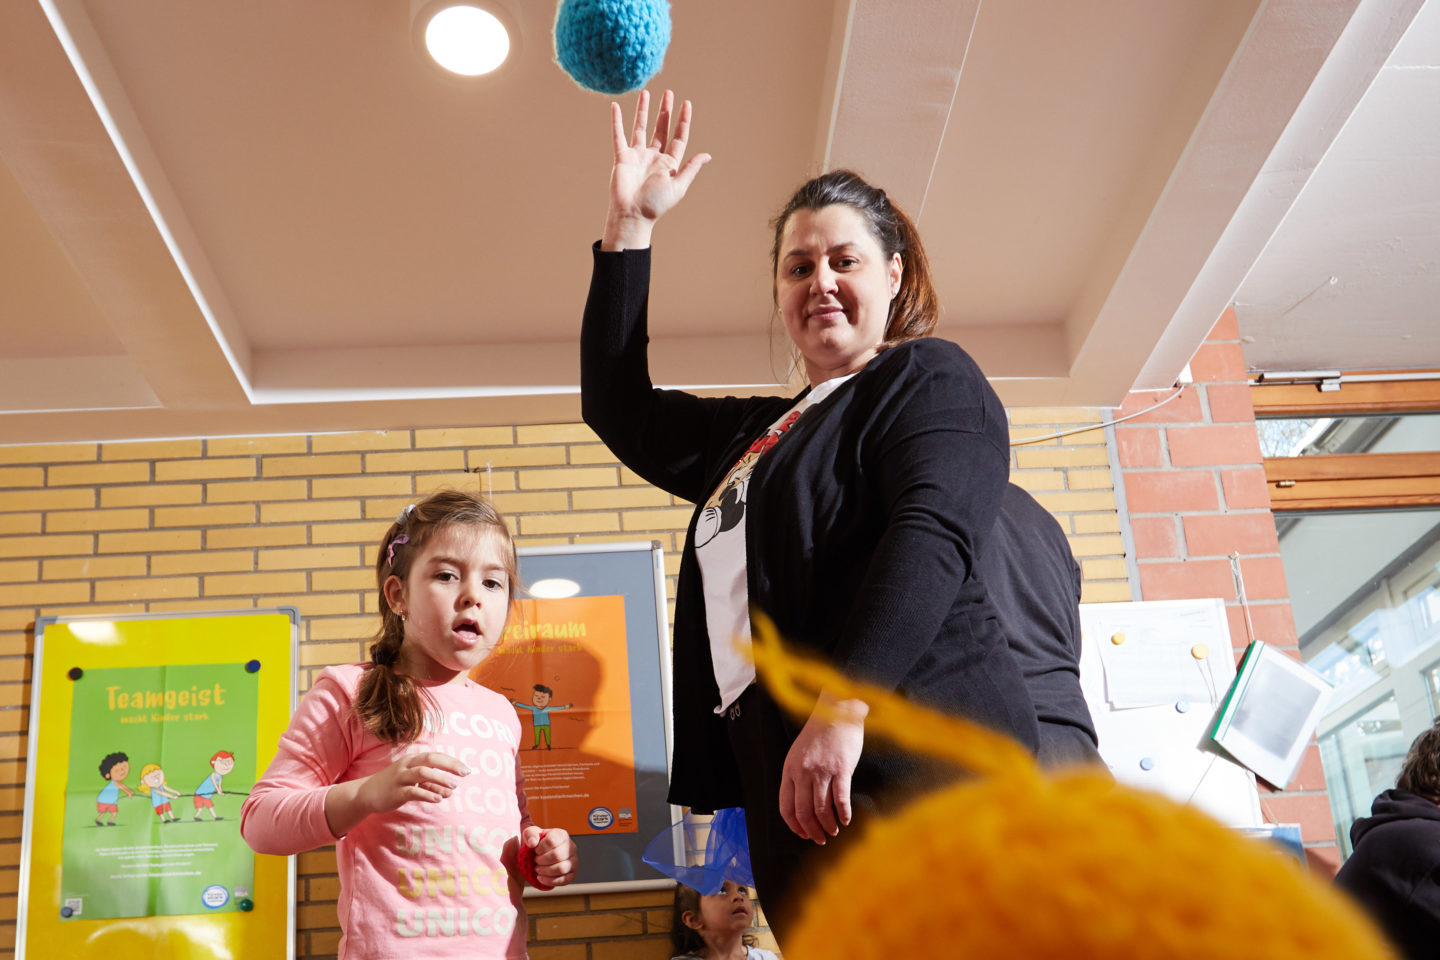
column 390, row 550
column 404, row 515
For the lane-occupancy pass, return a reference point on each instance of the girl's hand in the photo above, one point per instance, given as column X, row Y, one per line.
column 423, row 777
column 428, row 777
column 648, row 178
column 556, row 856
column 815, row 781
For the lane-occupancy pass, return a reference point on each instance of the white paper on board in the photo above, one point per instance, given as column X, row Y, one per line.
column 1155, row 664
column 1154, row 741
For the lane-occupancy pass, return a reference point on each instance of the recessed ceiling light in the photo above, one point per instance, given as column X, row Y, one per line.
column 554, row 588
column 467, row 39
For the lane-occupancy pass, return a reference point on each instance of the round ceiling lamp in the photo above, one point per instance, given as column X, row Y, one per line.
column 466, row 38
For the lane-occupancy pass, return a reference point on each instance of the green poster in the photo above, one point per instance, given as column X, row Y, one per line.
column 156, row 777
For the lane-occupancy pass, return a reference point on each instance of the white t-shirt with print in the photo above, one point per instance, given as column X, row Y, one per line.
column 720, row 550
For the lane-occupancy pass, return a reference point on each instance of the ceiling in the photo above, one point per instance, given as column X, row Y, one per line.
column 1351, row 278
column 273, row 217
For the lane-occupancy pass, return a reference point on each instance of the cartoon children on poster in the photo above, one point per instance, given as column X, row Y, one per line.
column 540, row 708
column 152, row 782
column 114, row 768
column 222, row 763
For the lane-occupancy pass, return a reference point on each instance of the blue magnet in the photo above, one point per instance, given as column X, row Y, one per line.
column 1146, row 763
column 67, row 912
column 253, row 666
column 1182, row 706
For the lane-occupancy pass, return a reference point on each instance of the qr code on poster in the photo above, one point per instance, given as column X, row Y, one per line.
column 74, row 904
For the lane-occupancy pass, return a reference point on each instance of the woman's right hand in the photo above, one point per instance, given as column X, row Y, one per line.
column 650, row 175
column 426, row 777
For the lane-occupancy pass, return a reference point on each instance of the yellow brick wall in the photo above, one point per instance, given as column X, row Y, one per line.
column 231, row 523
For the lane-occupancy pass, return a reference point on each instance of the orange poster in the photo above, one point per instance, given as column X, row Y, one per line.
column 563, row 664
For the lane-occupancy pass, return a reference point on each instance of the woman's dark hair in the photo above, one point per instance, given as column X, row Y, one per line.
column 683, row 938
column 1420, row 773
column 915, row 308
column 387, row 702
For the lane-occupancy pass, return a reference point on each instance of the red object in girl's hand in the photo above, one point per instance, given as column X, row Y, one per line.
column 527, row 866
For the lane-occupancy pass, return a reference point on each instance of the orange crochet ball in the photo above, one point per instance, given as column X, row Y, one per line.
column 1016, row 863
column 1080, row 868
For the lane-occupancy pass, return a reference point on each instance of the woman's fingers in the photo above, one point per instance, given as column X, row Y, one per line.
column 787, row 808
column 805, row 806
column 687, row 173
column 840, row 790
column 642, row 116
column 810, row 803
column 617, row 129
column 676, row 146
column 662, row 120
column 823, row 808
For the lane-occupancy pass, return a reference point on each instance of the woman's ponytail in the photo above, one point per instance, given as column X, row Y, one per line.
column 915, row 308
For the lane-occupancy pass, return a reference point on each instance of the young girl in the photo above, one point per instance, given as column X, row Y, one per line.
column 713, row 927
column 410, row 765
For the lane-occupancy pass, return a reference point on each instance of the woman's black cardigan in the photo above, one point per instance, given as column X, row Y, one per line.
column 860, row 527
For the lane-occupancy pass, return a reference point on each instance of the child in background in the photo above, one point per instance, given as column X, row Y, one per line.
column 409, row 766
column 714, row 927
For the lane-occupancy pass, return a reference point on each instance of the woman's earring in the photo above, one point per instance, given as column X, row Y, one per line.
column 402, row 618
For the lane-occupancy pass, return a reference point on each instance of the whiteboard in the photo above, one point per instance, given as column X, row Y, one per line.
column 1154, row 673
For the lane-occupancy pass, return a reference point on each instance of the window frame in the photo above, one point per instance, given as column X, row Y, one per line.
column 1350, row 481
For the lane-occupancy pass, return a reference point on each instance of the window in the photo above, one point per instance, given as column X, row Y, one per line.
column 1362, row 756
column 1354, row 479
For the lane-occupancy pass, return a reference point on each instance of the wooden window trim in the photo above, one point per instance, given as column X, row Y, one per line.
column 1357, row 399
column 1350, row 481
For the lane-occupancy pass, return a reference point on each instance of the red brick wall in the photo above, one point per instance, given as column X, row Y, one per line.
column 1195, row 493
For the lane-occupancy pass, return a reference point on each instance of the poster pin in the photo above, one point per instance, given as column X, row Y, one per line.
column 252, row 666
column 75, row 673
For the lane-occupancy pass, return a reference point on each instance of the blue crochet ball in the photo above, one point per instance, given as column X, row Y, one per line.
column 612, row 46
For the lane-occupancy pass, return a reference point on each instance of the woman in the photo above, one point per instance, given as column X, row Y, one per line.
column 849, row 515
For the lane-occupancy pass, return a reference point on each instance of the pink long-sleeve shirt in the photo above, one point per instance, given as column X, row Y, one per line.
column 429, row 879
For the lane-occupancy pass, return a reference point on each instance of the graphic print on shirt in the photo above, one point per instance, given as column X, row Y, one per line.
column 451, row 863
column 725, row 510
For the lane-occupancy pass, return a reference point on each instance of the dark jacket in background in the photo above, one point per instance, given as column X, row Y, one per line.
column 1034, row 582
column 1394, row 872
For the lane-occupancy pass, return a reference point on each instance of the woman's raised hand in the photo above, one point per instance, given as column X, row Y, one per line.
column 650, row 174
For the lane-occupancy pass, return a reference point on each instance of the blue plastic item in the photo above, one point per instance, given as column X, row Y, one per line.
column 726, row 855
